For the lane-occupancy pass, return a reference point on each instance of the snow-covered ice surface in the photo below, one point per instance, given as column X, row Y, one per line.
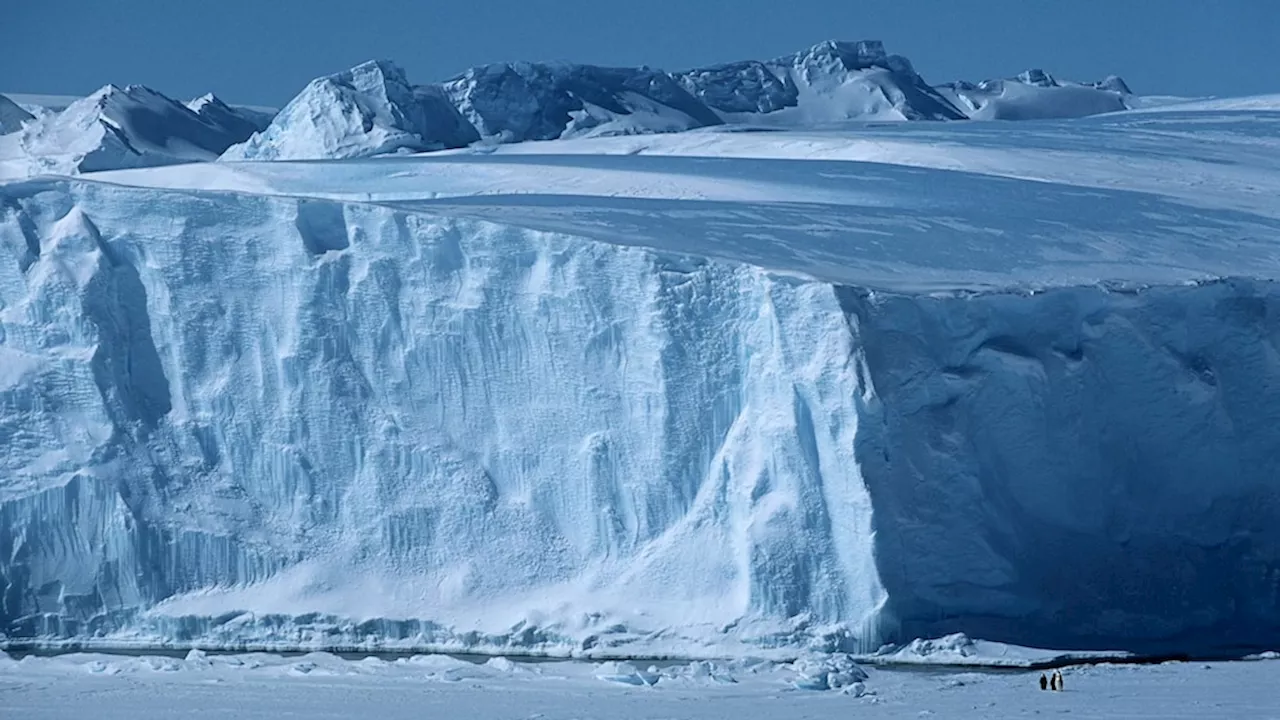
column 710, row 394
column 319, row 685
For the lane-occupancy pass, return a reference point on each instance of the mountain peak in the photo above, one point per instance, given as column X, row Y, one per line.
column 1115, row 84
column 1037, row 77
column 206, row 100
column 373, row 71
column 368, row 110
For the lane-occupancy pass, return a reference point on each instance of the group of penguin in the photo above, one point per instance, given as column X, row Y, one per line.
column 1053, row 682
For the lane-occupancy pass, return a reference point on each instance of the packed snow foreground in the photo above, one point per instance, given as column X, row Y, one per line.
column 256, row 685
column 721, row 392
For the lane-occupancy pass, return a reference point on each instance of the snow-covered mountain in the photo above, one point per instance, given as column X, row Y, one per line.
column 43, row 104
column 363, row 111
column 830, row 82
column 368, row 110
column 531, row 101
column 132, row 126
column 693, row 394
column 1037, row 95
column 236, row 122
column 12, row 116
column 373, row 109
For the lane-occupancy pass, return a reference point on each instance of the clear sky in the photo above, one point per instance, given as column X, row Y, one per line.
column 264, row 51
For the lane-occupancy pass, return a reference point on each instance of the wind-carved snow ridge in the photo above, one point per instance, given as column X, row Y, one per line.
column 323, row 415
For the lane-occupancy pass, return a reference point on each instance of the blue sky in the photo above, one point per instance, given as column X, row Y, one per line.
column 264, row 51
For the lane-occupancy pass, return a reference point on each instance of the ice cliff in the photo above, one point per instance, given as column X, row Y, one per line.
column 285, row 404
column 237, row 418
column 1097, row 465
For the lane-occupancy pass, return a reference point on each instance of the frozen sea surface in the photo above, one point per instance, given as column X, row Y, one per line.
column 247, row 687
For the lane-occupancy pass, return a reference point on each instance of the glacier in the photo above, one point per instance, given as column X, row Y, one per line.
column 700, row 394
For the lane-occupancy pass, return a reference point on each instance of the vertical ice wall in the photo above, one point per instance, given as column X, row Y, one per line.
column 239, row 418
column 1079, row 467
column 214, row 404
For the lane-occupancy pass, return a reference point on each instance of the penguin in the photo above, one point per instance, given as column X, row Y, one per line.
column 1044, row 682
column 1060, row 687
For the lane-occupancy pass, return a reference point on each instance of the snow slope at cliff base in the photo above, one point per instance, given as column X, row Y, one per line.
column 247, row 687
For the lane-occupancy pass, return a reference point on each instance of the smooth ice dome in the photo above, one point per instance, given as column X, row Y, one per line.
column 700, row 394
